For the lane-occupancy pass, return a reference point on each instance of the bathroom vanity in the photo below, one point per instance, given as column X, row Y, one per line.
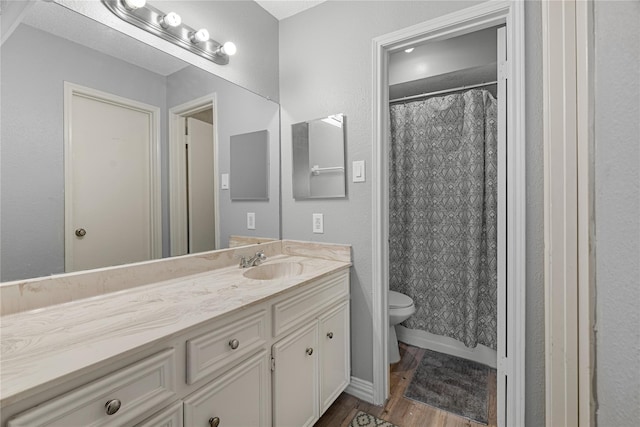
column 262, row 346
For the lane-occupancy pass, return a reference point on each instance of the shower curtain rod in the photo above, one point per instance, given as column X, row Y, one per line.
column 439, row 92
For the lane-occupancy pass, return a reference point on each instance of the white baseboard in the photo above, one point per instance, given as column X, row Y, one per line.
column 361, row 389
column 481, row 354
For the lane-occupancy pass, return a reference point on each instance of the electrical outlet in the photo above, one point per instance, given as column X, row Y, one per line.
column 251, row 220
column 318, row 223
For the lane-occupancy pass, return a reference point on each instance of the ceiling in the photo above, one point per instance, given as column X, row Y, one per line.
column 281, row 9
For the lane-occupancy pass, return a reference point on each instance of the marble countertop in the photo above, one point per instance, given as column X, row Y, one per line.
column 47, row 345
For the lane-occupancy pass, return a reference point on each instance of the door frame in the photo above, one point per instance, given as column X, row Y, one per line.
column 177, row 196
column 511, row 394
column 155, row 208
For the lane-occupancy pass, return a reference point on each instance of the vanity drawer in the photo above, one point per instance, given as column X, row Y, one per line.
column 309, row 303
column 130, row 393
column 226, row 344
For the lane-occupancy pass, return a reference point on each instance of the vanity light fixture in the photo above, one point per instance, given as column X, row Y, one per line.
column 200, row 36
column 229, row 48
column 169, row 26
column 134, row 4
column 171, row 19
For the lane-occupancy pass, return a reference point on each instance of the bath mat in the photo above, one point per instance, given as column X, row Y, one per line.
column 362, row 419
column 452, row 384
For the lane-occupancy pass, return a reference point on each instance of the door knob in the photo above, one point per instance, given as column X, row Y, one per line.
column 80, row 232
column 112, row 406
column 214, row 422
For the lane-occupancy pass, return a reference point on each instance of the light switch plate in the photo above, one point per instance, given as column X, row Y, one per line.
column 251, row 220
column 358, row 171
column 318, row 223
column 224, row 181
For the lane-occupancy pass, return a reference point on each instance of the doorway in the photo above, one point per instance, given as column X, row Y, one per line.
column 112, row 180
column 193, row 150
column 511, row 307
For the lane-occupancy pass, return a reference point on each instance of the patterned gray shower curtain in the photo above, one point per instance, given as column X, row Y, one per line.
column 442, row 214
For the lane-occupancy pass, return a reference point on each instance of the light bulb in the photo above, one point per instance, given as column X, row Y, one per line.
column 229, row 48
column 134, row 4
column 171, row 19
column 409, row 50
column 200, row 36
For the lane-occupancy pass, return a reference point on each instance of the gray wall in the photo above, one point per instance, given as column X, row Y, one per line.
column 34, row 68
column 238, row 111
column 617, row 205
column 325, row 68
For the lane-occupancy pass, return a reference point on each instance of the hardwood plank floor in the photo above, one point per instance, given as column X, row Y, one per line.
column 399, row 410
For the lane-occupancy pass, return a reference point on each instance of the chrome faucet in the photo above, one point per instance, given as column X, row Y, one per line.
column 252, row 261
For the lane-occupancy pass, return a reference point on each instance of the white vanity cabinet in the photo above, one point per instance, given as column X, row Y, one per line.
column 171, row 416
column 312, row 364
column 279, row 362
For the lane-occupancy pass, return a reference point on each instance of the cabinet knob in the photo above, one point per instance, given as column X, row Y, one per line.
column 330, row 335
column 309, row 351
column 81, row 232
column 112, row 406
column 234, row 344
column 214, row 422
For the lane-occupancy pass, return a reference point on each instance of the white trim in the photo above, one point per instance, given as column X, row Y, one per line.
column 568, row 212
column 178, row 174
column 361, row 389
column 417, row 338
column 586, row 216
column 155, row 208
column 468, row 20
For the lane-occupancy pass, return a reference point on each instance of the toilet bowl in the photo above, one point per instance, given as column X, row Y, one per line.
column 401, row 307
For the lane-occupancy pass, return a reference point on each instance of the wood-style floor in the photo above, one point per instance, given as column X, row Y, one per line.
column 399, row 410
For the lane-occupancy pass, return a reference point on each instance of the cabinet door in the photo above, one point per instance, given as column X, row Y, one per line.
column 239, row 398
column 335, row 359
column 295, row 379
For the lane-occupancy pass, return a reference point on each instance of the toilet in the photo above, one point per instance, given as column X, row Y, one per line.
column 401, row 307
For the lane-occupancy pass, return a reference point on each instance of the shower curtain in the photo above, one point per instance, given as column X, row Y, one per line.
column 442, row 214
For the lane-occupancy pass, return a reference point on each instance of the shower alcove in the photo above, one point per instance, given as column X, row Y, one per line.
column 444, row 193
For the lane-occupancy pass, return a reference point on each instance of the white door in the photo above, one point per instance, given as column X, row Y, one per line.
column 200, row 175
column 295, row 379
column 335, row 362
column 239, row 398
column 502, row 391
column 109, row 200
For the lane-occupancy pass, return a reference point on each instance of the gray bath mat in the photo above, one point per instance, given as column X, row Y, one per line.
column 452, row 384
column 362, row 419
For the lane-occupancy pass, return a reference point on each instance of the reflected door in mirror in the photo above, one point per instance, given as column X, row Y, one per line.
column 109, row 201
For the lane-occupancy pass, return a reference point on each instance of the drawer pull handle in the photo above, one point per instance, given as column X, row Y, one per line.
column 112, row 406
column 214, row 422
column 234, row 344
column 309, row 351
column 330, row 335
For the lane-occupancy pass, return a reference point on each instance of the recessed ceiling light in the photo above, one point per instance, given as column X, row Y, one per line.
column 409, row 50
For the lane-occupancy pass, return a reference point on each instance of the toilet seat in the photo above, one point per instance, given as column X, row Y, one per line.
column 398, row 300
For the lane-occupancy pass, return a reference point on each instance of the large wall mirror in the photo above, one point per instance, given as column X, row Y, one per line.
column 318, row 158
column 77, row 96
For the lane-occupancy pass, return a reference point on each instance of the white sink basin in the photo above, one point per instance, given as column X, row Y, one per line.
column 274, row 271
